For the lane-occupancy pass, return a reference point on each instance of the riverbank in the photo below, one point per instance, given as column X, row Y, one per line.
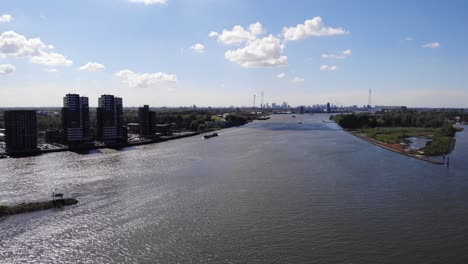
column 392, row 147
column 35, row 206
column 102, row 146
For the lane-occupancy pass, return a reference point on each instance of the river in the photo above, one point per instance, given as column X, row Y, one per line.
column 271, row 191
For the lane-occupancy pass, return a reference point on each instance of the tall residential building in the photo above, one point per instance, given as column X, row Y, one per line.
column 75, row 119
column 147, row 120
column 20, row 130
column 109, row 119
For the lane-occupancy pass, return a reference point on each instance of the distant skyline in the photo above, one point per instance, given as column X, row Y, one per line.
column 220, row 53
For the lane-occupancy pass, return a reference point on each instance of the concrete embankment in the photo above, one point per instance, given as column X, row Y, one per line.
column 35, row 206
column 114, row 145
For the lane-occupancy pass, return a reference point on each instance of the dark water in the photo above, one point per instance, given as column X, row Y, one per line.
column 272, row 192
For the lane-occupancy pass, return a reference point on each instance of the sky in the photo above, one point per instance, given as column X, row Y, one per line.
column 221, row 53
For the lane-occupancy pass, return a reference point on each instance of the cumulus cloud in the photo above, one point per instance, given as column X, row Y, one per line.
column 264, row 52
column 92, row 67
column 6, row 69
column 51, row 70
column 213, row 34
column 200, row 48
column 281, row 75
column 311, row 28
column 16, row 45
column 51, row 59
column 144, row 80
column 238, row 35
column 256, row 29
column 328, row 67
column 342, row 55
column 149, row 2
column 6, row 18
column 297, row 80
column 431, row 45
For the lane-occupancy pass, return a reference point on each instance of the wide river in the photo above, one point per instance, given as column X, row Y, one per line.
column 269, row 192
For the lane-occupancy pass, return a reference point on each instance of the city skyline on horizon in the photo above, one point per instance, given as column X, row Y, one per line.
column 180, row 53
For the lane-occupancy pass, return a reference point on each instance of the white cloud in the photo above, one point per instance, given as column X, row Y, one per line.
column 297, row 80
column 311, row 28
column 16, row 45
column 6, row 18
column 256, row 29
column 50, row 47
column 409, row 39
column 281, row 75
column 328, row 68
column 92, row 67
column 239, row 35
column 51, row 59
column 51, row 70
column 264, row 52
column 6, row 69
column 200, row 48
column 149, row 2
column 431, row 45
column 213, row 34
column 343, row 55
column 144, row 80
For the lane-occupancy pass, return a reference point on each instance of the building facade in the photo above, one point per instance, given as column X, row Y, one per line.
column 20, row 130
column 75, row 119
column 109, row 117
column 147, row 121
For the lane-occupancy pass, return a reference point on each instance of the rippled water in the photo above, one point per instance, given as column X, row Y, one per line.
column 272, row 191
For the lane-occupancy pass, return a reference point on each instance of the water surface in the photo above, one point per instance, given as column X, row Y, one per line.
column 272, row 191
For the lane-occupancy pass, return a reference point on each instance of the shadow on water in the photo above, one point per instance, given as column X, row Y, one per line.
column 87, row 152
column 125, row 148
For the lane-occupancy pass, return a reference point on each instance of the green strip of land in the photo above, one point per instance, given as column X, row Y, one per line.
column 392, row 129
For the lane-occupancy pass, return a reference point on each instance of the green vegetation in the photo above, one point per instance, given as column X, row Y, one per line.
column 3, row 209
column 394, row 127
column 394, row 135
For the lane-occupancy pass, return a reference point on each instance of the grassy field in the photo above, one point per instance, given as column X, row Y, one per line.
column 441, row 143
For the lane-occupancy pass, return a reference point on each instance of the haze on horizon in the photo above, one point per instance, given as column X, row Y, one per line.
column 220, row 53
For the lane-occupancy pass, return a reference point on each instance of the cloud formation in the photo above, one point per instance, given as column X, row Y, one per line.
column 431, row 45
column 328, row 67
column 51, row 70
column 16, row 45
column 149, row 2
column 213, row 34
column 6, row 69
column 92, row 67
column 145, row 80
column 311, row 28
column 343, row 55
column 200, row 48
column 6, row 18
column 238, row 35
column 281, row 75
column 264, row 52
column 297, row 80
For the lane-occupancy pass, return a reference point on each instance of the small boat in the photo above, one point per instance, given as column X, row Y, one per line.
column 210, row 135
column 293, row 116
column 300, row 122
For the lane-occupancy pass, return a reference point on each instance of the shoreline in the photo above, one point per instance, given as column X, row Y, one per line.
column 382, row 145
column 112, row 146
column 36, row 206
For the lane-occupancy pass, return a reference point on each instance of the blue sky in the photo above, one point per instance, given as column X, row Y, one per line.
column 303, row 52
